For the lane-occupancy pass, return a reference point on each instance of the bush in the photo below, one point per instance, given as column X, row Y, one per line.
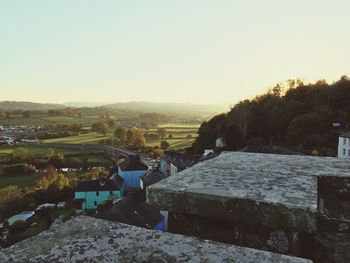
column 18, row 227
column 17, row 169
column 255, row 141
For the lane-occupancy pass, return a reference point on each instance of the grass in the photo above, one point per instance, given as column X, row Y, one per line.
column 44, row 120
column 37, row 150
column 85, row 138
column 19, row 180
column 175, row 143
column 179, row 125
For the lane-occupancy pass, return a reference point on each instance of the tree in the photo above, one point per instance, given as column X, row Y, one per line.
column 135, row 138
column 97, row 173
column 161, row 132
column 99, row 127
column 26, row 114
column 164, row 145
column 233, row 137
column 50, row 153
column 120, row 134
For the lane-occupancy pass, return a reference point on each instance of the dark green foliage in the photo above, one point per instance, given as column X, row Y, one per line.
column 164, row 145
column 301, row 117
column 17, row 169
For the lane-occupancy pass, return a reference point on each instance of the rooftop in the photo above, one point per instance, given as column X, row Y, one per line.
column 151, row 177
column 85, row 239
column 131, row 211
column 265, row 181
column 134, row 163
column 98, row 185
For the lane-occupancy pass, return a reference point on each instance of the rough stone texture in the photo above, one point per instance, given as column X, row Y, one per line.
column 246, row 198
column 278, row 185
column 85, row 239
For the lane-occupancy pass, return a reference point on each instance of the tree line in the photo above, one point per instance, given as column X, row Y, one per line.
column 306, row 117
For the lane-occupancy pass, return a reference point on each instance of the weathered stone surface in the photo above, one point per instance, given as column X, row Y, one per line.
column 85, row 239
column 265, row 201
column 238, row 185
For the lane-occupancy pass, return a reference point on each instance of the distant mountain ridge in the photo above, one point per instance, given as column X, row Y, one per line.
column 26, row 105
column 169, row 108
column 175, row 109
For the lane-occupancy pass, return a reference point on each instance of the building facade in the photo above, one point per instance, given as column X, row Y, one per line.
column 90, row 193
column 131, row 171
column 344, row 146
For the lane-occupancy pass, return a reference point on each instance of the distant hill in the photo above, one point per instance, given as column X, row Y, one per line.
column 24, row 105
column 81, row 104
column 170, row 108
column 305, row 117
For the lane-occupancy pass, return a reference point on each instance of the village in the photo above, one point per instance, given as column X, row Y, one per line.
column 310, row 204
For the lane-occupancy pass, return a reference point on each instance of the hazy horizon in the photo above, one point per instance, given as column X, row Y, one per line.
column 201, row 52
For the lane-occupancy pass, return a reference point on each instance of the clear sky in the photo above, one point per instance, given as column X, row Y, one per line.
column 172, row 51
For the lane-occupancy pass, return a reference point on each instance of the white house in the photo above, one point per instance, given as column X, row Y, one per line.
column 219, row 143
column 344, row 145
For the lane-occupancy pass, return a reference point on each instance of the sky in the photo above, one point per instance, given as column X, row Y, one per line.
column 194, row 51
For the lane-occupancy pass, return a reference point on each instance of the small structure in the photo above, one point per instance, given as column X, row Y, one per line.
column 45, row 206
column 132, row 170
column 219, row 143
column 131, row 211
column 89, row 194
column 23, row 216
column 208, row 151
column 344, row 145
column 151, row 177
column 174, row 162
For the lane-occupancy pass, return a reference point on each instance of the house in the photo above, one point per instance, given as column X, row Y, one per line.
column 174, row 162
column 208, row 151
column 130, row 210
column 23, row 216
column 151, row 177
column 132, row 170
column 219, row 143
column 344, row 145
column 89, row 193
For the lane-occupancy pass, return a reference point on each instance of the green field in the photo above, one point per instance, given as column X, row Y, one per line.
column 91, row 137
column 19, row 180
column 175, row 143
column 44, row 120
column 35, row 150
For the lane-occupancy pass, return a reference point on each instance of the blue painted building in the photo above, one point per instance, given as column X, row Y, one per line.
column 132, row 170
column 132, row 211
column 89, row 193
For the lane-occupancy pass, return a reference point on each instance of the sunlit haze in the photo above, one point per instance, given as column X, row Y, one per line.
column 167, row 51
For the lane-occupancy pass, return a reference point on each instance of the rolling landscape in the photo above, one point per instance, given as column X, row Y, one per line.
column 174, row 131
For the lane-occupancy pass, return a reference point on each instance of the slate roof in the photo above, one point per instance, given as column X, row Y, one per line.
column 118, row 180
column 97, row 185
column 181, row 161
column 134, row 163
column 345, row 135
column 151, row 177
column 131, row 211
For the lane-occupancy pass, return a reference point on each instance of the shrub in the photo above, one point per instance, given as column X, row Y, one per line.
column 18, row 227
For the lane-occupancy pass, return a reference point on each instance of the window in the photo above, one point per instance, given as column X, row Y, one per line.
column 110, row 192
column 348, row 152
column 95, row 203
column 344, row 141
column 344, row 151
column 97, row 193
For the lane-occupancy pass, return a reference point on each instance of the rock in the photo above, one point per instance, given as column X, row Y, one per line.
column 85, row 239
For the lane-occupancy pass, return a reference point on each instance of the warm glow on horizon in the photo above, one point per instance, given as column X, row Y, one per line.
column 167, row 51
